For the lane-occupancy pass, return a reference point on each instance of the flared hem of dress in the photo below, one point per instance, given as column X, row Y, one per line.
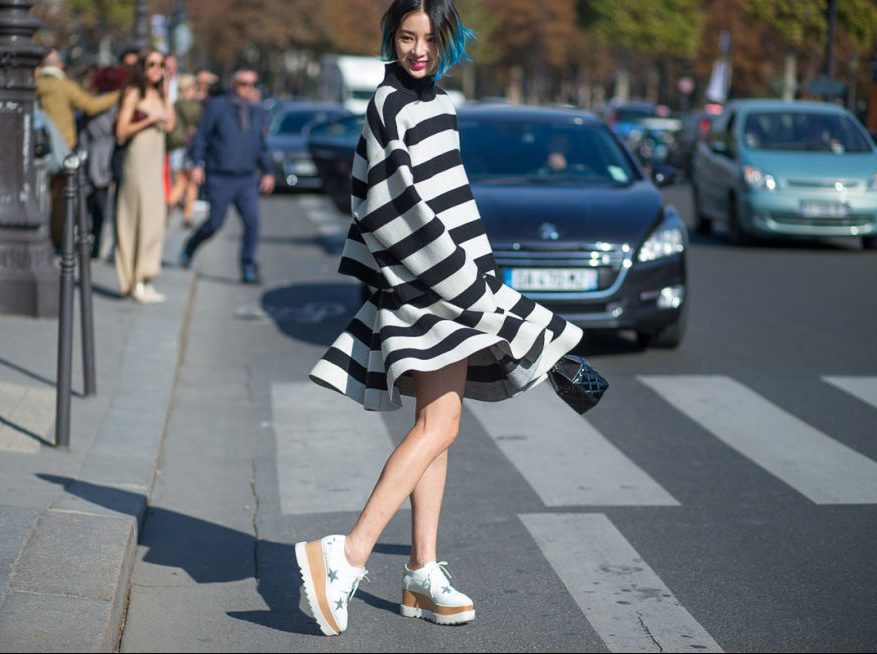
column 331, row 376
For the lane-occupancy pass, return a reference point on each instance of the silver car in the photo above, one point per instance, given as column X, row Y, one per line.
column 775, row 168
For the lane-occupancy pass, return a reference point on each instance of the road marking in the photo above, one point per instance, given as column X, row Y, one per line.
column 329, row 450
column 627, row 604
column 565, row 460
column 814, row 464
column 327, row 219
column 864, row 388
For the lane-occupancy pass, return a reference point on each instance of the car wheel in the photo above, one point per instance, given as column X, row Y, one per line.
column 670, row 337
column 869, row 242
column 702, row 224
column 736, row 233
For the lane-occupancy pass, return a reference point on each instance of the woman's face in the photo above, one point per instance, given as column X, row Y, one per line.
column 154, row 66
column 415, row 45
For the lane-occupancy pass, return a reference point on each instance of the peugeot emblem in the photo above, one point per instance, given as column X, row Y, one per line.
column 548, row 232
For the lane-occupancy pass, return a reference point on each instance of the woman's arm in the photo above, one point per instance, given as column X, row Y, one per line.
column 403, row 224
column 170, row 115
column 126, row 127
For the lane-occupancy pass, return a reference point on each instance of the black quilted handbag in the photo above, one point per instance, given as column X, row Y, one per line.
column 577, row 383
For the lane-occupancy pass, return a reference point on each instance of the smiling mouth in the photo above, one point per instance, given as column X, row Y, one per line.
column 417, row 65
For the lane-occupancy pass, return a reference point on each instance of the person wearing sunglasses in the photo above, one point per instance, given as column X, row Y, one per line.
column 146, row 114
column 230, row 151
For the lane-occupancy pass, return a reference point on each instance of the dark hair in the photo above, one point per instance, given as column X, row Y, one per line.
column 450, row 35
column 137, row 75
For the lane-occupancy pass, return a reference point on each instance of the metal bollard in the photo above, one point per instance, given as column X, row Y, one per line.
column 84, row 239
column 65, row 327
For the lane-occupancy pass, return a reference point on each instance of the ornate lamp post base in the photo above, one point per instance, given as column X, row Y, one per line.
column 28, row 278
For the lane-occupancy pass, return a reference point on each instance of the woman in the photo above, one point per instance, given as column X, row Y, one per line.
column 440, row 326
column 145, row 115
column 187, row 110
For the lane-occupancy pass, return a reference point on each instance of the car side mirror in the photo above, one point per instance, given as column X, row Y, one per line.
column 664, row 175
column 719, row 147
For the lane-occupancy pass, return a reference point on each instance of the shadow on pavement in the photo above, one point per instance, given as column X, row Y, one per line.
column 331, row 244
column 211, row 553
column 28, row 373
column 313, row 313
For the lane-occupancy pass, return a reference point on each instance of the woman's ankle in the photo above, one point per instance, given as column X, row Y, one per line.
column 353, row 553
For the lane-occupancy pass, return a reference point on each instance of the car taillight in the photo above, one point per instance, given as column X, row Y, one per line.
column 703, row 127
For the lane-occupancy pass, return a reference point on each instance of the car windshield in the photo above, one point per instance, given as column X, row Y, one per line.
column 505, row 151
column 632, row 114
column 803, row 131
column 292, row 122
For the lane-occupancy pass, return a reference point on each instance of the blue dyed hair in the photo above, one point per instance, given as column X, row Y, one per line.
column 451, row 36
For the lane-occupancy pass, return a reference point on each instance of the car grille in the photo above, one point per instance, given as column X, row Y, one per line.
column 608, row 258
column 819, row 221
column 822, row 183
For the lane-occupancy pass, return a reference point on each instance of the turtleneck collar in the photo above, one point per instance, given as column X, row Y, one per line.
column 398, row 78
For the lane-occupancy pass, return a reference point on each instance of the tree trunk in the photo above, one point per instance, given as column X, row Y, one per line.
column 790, row 72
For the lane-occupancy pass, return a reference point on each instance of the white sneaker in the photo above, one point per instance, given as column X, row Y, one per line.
column 146, row 294
column 329, row 581
column 427, row 593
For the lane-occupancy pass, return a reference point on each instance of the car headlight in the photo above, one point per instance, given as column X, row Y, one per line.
column 872, row 186
column 757, row 178
column 665, row 241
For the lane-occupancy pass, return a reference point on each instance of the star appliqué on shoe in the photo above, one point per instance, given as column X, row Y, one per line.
column 339, row 604
column 333, row 575
column 446, row 589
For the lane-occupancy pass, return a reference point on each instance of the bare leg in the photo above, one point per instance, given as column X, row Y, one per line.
column 426, row 504
column 439, row 404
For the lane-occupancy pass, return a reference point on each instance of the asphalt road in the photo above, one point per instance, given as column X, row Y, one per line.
column 723, row 496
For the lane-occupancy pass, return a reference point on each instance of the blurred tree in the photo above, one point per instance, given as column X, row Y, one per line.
column 658, row 31
column 83, row 28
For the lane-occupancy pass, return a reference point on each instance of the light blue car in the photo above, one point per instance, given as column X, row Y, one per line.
column 775, row 168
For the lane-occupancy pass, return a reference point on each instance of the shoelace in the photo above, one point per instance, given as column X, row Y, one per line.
column 355, row 585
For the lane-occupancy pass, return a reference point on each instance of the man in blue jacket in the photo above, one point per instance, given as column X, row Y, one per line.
column 230, row 148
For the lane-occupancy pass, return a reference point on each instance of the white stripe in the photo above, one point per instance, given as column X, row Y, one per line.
column 864, row 388
column 628, row 605
column 327, row 220
column 564, row 459
column 327, row 461
column 814, row 464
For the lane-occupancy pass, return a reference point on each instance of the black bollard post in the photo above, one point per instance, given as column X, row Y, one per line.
column 65, row 326
column 84, row 239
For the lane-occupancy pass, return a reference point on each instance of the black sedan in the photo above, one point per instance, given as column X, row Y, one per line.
column 293, row 165
column 573, row 221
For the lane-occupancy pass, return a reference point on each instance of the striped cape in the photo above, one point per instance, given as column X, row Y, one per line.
column 417, row 239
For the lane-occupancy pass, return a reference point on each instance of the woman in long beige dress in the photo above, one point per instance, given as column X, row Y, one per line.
column 145, row 115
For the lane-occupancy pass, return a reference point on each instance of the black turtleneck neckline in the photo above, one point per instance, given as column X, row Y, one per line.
column 398, row 78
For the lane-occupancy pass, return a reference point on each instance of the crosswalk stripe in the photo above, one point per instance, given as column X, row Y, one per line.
column 625, row 601
column 564, row 459
column 864, row 388
column 327, row 459
column 328, row 220
column 817, row 466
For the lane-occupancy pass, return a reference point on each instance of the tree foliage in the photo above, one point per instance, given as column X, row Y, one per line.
column 658, row 27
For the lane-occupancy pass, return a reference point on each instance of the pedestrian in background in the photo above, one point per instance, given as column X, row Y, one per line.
column 440, row 325
column 98, row 138
column 60, row 98
column 145, row 115
column 230, row 149
column 188, row 111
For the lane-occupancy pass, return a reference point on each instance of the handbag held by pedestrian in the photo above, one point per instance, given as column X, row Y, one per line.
column 577, row 383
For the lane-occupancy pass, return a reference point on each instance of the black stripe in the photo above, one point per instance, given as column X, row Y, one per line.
column 361, row 332
column 376, row 126
column 355, row 370
column 385, row 214
column 510, row 328
column 358, row 188
column 436, row 165
column 467, row 232
column 365, row 274
column 429, row 127
column 418, row 240
column 381, row 172
column 442, row 347
column 444, row 269
column 450, row 199
column 470, row 296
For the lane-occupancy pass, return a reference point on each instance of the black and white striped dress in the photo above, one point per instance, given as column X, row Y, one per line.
column 417, row 238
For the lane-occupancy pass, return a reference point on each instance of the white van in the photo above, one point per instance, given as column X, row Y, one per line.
column 350, row 80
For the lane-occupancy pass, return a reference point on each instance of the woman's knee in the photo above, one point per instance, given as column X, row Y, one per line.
column 439, row 428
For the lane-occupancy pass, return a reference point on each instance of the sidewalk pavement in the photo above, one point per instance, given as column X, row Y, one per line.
column 65, row 562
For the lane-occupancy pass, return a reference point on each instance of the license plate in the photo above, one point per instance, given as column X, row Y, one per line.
column 303, row 168
column 823, row 209
column 551, row 279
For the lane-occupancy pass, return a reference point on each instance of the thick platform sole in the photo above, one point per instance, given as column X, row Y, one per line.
column 416, row 605
column 313, row 575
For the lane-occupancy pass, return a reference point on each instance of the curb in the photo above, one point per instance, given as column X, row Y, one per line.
column 68, row 590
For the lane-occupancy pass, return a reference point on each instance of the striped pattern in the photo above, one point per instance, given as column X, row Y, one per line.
column 418, row 240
